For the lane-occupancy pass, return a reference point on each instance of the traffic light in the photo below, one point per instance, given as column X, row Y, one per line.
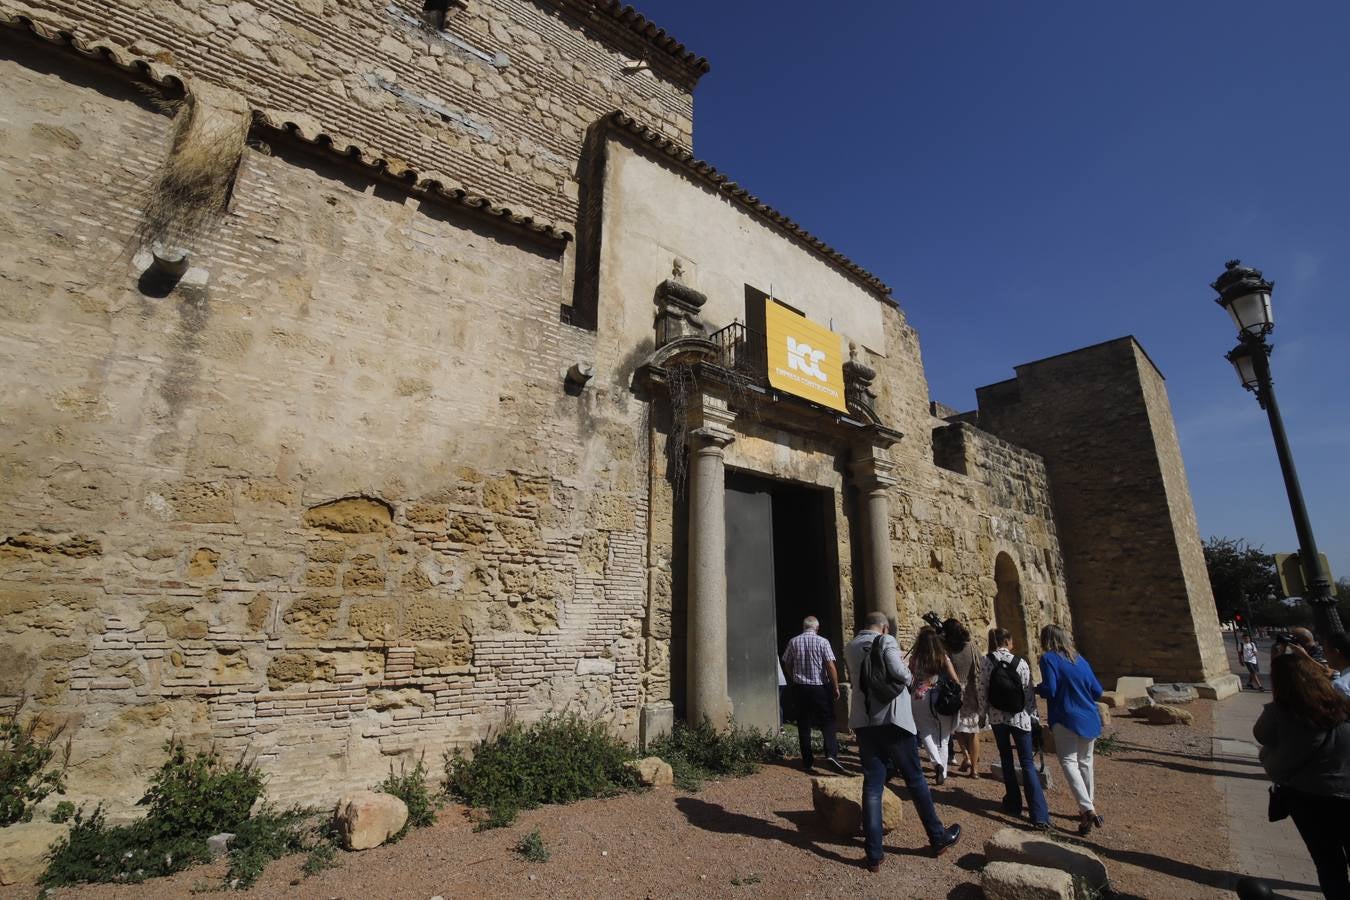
column 1237, row 621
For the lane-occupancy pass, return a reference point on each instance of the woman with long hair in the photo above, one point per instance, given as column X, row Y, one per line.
column 1071, row 691
column 965, row 659
column 1304, row 733
column 928, row 661
column 1011, row 705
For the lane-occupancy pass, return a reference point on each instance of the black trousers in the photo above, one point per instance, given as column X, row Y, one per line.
column 815, row 709
column 1324, row 824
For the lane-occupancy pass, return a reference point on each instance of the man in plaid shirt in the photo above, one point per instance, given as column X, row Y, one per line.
column 808, row 663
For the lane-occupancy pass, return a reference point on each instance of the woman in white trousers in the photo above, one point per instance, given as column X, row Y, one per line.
column 1071, row 691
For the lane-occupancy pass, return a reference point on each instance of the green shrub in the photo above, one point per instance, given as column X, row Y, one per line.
column 1107, row 744
column 559, row 759
column 411, row 788
column 531, row 846
column 268, row 834
column 26, row 778
column 701, row 751
column 63, row 812
column 190, row 798
column 321, row 856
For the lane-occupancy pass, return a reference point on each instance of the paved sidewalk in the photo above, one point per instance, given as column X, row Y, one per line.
column 1271, row 851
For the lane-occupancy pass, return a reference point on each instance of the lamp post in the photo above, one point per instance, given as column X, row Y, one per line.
column 1245, row 294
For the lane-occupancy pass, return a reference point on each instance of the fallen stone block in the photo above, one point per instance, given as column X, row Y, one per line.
column 1172, row 693
column 1131, row 686
column 1138, row 706
column 23, row 850
column 1220, row 688
column 367, row 819
column 838, row 803
column 219, row 844
column 1113, row 699
column 1168, row 715
column 653, row 771
column 1012, row 845
column 1015, row 881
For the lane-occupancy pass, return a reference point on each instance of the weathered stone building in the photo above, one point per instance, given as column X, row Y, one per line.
column 467, row 405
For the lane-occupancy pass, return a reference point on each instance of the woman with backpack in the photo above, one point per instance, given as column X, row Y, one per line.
column 936, row 697
column 965, row 657
column 1010, row 704
column 1071, row 691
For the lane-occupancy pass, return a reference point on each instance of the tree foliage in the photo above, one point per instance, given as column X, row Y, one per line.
column 1241, row 574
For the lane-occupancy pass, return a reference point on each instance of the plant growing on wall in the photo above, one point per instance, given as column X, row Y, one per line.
column 191, row 192
column 27, row 776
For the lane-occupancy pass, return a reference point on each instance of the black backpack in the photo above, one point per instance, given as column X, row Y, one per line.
column 945, row 697
column 1006, row 692
column 879, row 684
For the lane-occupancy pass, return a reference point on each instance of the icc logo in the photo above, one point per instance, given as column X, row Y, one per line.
column 805, row 360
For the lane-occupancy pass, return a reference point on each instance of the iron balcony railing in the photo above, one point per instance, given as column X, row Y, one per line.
column 741, row 351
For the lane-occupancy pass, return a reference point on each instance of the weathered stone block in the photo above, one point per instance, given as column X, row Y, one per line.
column 1133, row 686
column 313, row 615
column 1172, row 693
column 1220, row 688
column 1168, row 715
column 838, row 803
column 1013, row 845
column 351, row 515
column 1015, row 881
column 1113, row 699
column 298, row 668
column 23, row 850
column 653, row 771
column 367, row 819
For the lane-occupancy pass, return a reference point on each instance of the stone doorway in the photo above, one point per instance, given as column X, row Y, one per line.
column 1008, row 610
column 782, row 565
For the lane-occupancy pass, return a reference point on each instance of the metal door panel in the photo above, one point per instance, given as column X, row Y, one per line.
column 752, row 670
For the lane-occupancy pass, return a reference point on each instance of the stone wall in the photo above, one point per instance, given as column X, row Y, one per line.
column 1100, row 418
column 440, row 101
column 327, row 499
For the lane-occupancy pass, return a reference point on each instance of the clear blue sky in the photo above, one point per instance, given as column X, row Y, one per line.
column 1035, row 177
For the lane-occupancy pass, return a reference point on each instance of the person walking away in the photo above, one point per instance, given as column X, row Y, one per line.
column 1249, row 659
column 1011, row 707
column 1338, row 655
column 928, row 661
column 1071, row 691
column 887, row 740
column 970, row 721
column 808, row 663
column 1305, row 749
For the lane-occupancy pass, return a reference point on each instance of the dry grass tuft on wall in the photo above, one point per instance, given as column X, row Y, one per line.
column 192, row 191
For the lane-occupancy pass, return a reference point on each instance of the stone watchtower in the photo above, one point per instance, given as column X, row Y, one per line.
column 1135, row 569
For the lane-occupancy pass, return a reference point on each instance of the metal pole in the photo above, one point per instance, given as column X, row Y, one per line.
column 1325, row 617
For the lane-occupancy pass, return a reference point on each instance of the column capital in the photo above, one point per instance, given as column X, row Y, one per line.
column 711, row 436
column 872, row 469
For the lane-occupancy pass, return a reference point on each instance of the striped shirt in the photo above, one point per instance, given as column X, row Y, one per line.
column 805, row 658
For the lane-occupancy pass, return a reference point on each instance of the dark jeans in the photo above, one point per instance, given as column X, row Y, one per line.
column 1322, row 823
column 815, row 709
column 883, row 747
column 1005, row 736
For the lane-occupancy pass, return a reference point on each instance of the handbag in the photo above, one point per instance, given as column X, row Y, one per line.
column 1278, row 807
column 945, row 697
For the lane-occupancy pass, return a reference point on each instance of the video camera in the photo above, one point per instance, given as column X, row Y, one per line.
column 932, row 619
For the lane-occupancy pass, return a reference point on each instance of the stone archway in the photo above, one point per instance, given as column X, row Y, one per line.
column 1009, row 612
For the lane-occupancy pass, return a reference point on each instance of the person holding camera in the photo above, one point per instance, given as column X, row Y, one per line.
column 1071, row 691
column 970, row 721
column 1304, row 733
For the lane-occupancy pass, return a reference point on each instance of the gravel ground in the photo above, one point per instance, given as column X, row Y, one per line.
column 756, row 836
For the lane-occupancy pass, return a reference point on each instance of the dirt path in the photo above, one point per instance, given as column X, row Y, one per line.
column 757, row 837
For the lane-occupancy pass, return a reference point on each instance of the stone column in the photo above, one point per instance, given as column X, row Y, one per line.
column 707, row 638
column 872, row 473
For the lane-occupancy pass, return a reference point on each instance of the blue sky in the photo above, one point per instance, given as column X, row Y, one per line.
column 1034, row 177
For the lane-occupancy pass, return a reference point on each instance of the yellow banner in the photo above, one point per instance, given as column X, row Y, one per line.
column 804, row 358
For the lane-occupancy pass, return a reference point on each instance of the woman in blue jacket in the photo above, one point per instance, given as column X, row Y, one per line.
column 1071, row 691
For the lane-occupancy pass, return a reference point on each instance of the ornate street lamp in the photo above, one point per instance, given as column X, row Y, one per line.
column 1245, row 294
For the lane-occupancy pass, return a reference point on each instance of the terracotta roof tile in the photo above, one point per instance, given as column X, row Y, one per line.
column 693, row 65
column 701, row 171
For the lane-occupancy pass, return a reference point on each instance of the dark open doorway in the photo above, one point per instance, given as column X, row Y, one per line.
column 782, row 565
